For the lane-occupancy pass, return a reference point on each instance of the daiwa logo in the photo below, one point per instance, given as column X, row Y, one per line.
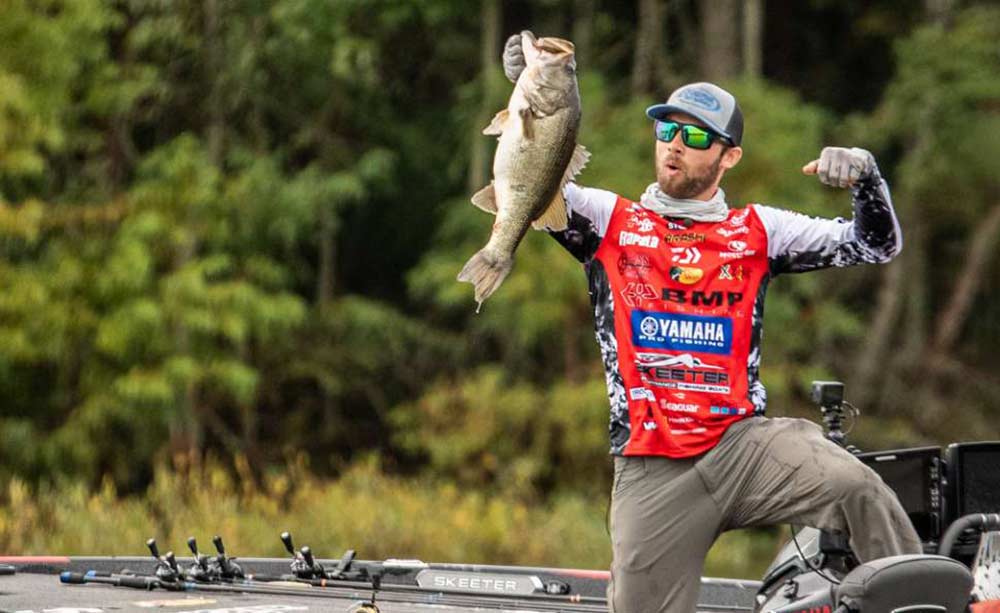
column 701, row 99
column 631, row 238
column 682, row 332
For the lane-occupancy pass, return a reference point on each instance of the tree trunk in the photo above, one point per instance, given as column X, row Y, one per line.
column 327, row 255
column 753, row 38
column 213, row 65
column 982, row 246
column 648, row 59
column 583, row 30
column 489, row 58
column 720, row 38
column 886, row 315
column 939, row 11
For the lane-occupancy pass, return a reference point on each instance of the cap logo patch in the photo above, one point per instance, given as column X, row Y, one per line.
column 701, row 99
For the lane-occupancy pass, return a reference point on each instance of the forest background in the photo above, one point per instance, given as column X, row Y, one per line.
column 229, row 235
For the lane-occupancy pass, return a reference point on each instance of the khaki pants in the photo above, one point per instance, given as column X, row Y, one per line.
column 666, row 513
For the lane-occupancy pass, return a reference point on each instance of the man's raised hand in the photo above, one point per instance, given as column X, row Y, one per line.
column 840, row 166
column 513, row 58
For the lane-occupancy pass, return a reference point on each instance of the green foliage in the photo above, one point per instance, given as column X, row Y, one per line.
column 486, row 429
column 417, row 518
column 236, row 227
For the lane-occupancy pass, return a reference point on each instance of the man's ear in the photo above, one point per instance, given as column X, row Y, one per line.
column 731, row 157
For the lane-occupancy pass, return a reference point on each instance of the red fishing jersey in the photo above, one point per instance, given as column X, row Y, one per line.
column 679, row 305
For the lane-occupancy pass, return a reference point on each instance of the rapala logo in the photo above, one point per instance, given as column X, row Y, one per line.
column 657, row 330
column 701, row 298
column 626, row 239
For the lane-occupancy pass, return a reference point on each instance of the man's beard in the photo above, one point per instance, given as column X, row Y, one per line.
column 688, row 185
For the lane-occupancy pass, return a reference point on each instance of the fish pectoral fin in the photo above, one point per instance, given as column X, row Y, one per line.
column 554, row 218
column 576, row 163
column 486, row 199
column 527, row 123
column 497, row 125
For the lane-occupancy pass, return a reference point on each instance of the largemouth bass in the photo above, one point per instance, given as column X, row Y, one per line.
column 537, row 154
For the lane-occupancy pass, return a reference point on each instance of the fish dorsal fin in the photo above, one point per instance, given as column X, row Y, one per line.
column 497, row 125
column 486, row 199
column 554, row 218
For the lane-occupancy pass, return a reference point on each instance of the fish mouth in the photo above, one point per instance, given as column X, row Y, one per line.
column 554, row 45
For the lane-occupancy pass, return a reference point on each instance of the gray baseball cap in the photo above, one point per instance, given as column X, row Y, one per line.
column 709, row 103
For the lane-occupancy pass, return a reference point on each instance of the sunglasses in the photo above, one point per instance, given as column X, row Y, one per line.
column 693, row 136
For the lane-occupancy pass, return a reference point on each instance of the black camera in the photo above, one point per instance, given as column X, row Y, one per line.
column 828, row 393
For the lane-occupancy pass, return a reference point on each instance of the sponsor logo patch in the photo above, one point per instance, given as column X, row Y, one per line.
column 730, row 255
column 640, row 223
column 681, row 372
column 738, row 219
column 633, row 265
column 734, row 232
column 687, row 275
column 676, row 331
column 701, row 298
column 685, row 255
column 737, row 246
column 731, row 272
column 640, row 393
column 701, row 99
column 634, row 293
column 626, row 239
column 680, row 407
column 686, row 237
column 727, row 411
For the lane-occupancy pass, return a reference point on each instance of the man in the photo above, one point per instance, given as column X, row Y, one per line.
column 677, row 281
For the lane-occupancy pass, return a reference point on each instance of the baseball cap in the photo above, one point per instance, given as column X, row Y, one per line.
column 713, row 105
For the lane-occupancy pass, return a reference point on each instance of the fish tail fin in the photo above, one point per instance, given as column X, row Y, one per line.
column 486, row 271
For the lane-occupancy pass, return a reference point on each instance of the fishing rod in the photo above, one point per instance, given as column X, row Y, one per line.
column 400, row 594
column 342, row 580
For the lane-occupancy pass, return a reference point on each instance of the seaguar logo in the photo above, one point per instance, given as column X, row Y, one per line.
column 657, row 330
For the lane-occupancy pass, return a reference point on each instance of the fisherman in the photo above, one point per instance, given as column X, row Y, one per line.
column 677, row 282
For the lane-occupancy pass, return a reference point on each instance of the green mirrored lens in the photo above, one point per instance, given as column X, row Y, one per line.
column 696, row 138
column 666, row 130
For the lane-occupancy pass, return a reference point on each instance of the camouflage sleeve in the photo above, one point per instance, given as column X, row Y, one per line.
column 589, row 212
column 798, row 243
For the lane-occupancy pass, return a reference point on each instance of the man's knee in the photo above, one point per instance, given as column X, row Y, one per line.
column 853, row 481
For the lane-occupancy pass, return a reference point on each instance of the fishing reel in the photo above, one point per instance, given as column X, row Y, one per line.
column 167, row 569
